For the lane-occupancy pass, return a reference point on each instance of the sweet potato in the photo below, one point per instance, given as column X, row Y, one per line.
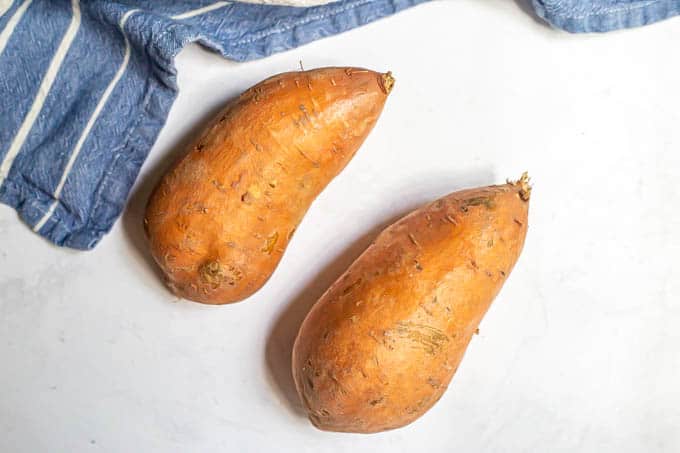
column 220, row 220
column 382, row 344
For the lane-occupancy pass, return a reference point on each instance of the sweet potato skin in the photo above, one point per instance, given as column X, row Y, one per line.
column 382, row 344
column 220, row 220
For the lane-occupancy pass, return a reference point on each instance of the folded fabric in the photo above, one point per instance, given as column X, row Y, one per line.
column 87, row 85
column 578, row 16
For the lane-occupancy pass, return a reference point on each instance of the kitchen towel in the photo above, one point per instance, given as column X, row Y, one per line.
column 578, row 16
column 86, row 86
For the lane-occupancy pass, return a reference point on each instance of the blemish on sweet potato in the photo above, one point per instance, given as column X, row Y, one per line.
column 314, row 163
column 256, row 145
column 486, row 201
column 247, row 198
column 426, row 337
column 212, row 273
column 270, row 243
column 236, row 182
column 426, row 310
column 434, row 383
column 376, row 401
column 219, row 186
column 215, row 273
column 291, row 233
column 352, row 287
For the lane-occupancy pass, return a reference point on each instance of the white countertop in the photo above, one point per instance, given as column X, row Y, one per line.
column 580, row 352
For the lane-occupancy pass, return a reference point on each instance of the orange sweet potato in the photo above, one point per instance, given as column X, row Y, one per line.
column 382, row 344
column 220, row 220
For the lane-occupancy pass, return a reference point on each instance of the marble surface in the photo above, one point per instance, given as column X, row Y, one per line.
column 580, row 352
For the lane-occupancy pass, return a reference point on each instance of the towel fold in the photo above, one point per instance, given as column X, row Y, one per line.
column 579, row 16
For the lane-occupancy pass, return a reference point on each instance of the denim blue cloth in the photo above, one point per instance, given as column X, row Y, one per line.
column 578, row 16
column 86, row 86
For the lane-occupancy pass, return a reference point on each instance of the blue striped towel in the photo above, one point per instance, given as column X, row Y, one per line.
column 578, row 16
column 86, row 86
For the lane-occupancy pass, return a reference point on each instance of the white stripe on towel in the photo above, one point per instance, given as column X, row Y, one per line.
column 4, row 6
column 93, row 118
column 43, row 91
column 12, row 23
column 90, row 123
column 199, row 11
